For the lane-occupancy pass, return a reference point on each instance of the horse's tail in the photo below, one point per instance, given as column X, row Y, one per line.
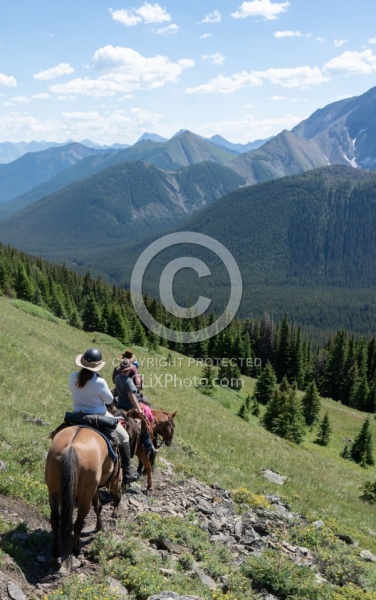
column 69, row 476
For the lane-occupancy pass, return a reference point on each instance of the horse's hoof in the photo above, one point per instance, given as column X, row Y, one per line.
column 112, row 523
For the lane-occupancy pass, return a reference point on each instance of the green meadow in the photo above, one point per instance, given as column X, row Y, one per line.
column 212, row 443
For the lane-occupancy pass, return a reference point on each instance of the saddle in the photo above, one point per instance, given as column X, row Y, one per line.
column 102, row 424
column 132, row 425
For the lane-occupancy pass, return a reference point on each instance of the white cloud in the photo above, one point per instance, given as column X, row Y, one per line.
column 213, row 17
column 42, row 96
column 260, row 8
column 169, row 30
column 372, row 40
column 147, row 13
column 7, row 80
column 226, row 85
column 123, row 71
column 204, row 36
column 353, row 63
column 285, row 98
column 104, row 127
column 247, row 127
column 20, row 99
column 216, row 59
column 320, row 39
column 283, row 34
column 301, row 77
column 58, row 71
column 339, row 43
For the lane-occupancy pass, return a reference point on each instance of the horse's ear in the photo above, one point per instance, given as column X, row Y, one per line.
column 173, row 414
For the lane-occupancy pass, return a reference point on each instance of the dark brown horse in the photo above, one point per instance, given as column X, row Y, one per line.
column 78, row 464
column 163, row 426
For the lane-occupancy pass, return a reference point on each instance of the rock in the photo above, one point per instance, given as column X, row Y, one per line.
column 367, row 555
column 15, row 592
column 163, row 544
column 167, row 572
column 116, row 586
column 3, row 466
column 273, row 477
column 206, row 580
column 319, row 524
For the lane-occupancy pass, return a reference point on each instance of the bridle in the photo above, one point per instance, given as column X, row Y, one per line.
column 161, row 430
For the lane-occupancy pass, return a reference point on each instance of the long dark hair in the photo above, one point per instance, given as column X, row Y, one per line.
column 83, row 377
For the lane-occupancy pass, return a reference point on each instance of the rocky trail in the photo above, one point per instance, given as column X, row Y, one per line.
column 172, row 496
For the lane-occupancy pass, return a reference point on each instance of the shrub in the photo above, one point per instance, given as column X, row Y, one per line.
column 279, row 575
column 368, row 492
column 244, row 500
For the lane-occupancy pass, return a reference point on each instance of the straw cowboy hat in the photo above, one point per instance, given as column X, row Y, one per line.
column 128, row 354
column 91, row 359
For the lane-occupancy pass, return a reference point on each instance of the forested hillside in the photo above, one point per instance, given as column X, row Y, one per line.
column 122, row 204
column 343, row 368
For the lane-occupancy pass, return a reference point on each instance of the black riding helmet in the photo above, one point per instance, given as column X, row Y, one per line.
column 93, row 355
column 91, row 359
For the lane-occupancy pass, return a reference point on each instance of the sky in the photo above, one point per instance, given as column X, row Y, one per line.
column 110, row 70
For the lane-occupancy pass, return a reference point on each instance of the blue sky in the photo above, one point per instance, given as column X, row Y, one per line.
column 109, row 71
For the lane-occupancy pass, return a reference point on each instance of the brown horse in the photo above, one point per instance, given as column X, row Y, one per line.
column 163, row 426
column 78, row 464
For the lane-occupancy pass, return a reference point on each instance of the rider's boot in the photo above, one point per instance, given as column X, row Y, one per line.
column 147, row 443
column 125, row 453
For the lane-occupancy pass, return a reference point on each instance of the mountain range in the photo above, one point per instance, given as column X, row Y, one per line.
column 298, row 209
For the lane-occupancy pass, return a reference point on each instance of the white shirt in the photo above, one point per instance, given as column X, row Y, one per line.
column 93, row 397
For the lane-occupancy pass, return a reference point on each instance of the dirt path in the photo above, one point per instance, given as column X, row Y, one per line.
column 29, row 541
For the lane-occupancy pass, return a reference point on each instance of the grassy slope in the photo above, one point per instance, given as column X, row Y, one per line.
column 213, row 444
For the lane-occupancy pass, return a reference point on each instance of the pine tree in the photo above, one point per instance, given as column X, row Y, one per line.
column 74, row 319
column 91, row 317
column 360, row 394
column 255, row 407
column 243, row 411
column 361, row 449
column 346, row 454
column 152, row 342
column 370, row 405
column 229, row 375
column 207, row 378
column 334, row 371
column 266, row 384
column 139, row 335
column 289, row 423
column 23, row 287
column 296, row 366
column 311, row 404
column 273, row 410
column 284, row 350
column 324, row 431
